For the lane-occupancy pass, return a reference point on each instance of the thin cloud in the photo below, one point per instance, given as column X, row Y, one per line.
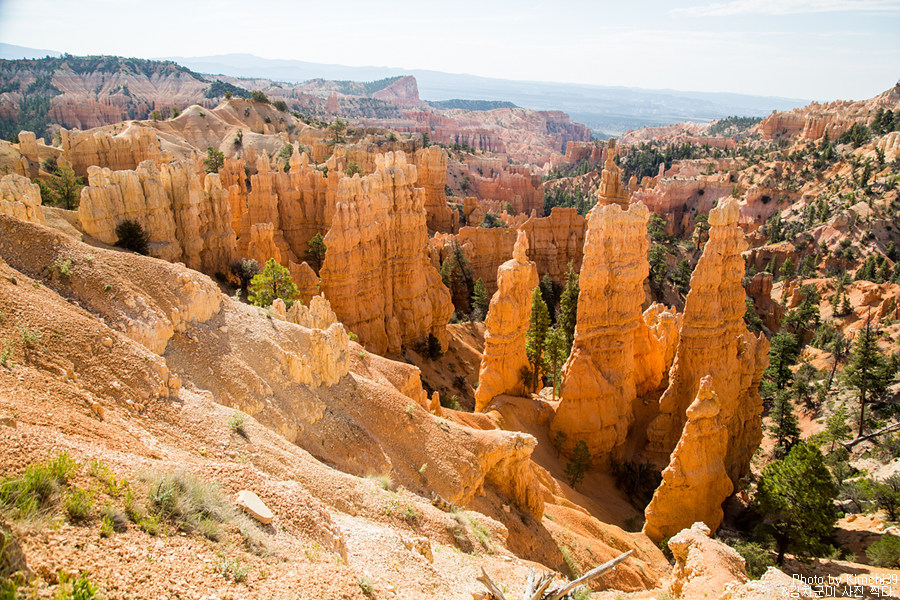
column 787, row 7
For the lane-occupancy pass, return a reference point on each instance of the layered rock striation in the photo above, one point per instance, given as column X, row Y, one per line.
column 695, row 484
column 715, row 341
column 185, row 219
column 100, row 148
column 504, row 356
column 377, row 274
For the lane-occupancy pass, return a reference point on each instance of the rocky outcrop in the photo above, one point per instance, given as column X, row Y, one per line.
column 813, row 121
column 486, row 250
column 377, row 274
column 20, row 198
column 760, row 291
column 555, row 241
column 186, row 220
column 305, row 279
column 295, row 206
column 599, row 383
column 680, row 201
column 431, row 163
column 512, row 184
column 100, row 148
column 506, row 324
column 703, row 564
column 714, row 341
column 695, row 484
column 611, row 190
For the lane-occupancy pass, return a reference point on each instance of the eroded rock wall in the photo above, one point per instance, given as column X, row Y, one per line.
column 100, row 148
column 186, row 220
column 377, row 274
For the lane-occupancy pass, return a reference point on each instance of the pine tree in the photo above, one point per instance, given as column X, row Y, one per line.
column 782, row 355
column 550, row 295
column 568, row 307
column 796, row 496
column 869, row 371
column 315, row 252
column 788, row 270
column 785, row 428
column 555, row 355
column 536, row 337
column 836, row 428
column 274, row 282
column 804, row 380
column 577, row 467
column 480, row 300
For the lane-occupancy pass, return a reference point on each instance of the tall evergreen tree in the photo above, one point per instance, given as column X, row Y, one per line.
column 568, row 307
column 536, row 337
column 550, row 294
column 315, row 252
column 782, row 355
column 869, row 371
column 555, row 355
column 785, row 428
column 480, row 300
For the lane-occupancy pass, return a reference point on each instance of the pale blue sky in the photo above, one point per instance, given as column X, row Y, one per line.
column 815, row 49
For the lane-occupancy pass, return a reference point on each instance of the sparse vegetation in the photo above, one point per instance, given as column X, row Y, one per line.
column 237, row 422
column 274, row 282
column 132, row 236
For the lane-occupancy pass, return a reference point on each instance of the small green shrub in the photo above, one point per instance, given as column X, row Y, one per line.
column 79, row 505
column 384, row 481
column 571, row 565
column 149, row 524
column 237, row 422
column 63, row 267
column 32, row 492
column 132, row 236
column 231, row 568
column 187, row 501
column 365, row 584
column 75, row 588
column 885, row 552
column 757, row 557
column 106, row 528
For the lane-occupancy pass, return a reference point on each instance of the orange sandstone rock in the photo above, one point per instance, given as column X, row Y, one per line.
column 506, row 324
column 714, row 341
column 695, row 484
column 555, row 241
column 377, row 274
column 186, row 220
column 611, row 190
column 703, row 564
column 599, row 383
column 20, row 198
column 431, row 163
column 124, row 151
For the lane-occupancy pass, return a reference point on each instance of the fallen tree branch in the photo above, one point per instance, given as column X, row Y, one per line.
column 489, row 584
column 592, row 574
column 849, row 445
column 543, row 583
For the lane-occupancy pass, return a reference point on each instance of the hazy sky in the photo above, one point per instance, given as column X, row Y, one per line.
column 812, row 49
